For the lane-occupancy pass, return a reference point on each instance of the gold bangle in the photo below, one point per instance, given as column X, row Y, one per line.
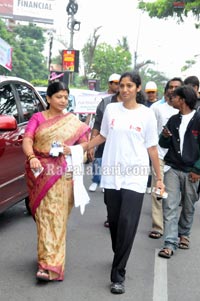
column 158, row 180
column 31, row 157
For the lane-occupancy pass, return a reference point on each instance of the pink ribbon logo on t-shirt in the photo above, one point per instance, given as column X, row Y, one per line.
column 112, row 123
column 137, row 128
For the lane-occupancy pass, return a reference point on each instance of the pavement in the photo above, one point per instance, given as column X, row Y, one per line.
column 89, row 258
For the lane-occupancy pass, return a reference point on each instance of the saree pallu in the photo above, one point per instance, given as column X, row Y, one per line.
column 51, row 193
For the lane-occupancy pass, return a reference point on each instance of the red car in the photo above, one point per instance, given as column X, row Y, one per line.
column 18, row 101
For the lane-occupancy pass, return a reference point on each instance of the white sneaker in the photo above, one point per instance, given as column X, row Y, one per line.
column 93, row 187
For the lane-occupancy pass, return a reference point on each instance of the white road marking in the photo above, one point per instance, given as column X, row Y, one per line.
column 160, row 292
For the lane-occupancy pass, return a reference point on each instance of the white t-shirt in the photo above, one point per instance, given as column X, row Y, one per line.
column 163, row 112
column 183, row 126
column 128, row 133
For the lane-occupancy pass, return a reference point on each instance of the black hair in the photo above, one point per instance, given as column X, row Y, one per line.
column 55, row 87
column 177, row 79
column 141, row 97
column 192, row 80
column 134, row 76
column 187, row 93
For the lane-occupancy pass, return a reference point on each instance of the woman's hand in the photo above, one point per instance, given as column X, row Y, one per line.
column 66, row 150
column 90, row 154
column 35, row 163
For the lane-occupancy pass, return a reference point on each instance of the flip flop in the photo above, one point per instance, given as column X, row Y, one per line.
column 165, row 253
column 155, row 235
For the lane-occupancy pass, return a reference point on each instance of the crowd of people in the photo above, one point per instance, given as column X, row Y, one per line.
column 133, row 132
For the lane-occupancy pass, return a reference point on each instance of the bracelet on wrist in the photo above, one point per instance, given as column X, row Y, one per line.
column 30, row 154
column 31, row 157
column 158, row 180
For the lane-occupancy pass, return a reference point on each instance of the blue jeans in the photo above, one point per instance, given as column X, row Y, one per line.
column 96, row 170
column 179, row 188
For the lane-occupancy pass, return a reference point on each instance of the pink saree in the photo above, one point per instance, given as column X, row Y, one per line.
column 51, row 193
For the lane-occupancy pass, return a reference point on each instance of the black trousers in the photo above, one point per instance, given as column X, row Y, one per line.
column 124, row 208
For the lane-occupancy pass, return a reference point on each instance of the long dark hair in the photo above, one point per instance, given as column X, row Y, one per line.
column 54, row 88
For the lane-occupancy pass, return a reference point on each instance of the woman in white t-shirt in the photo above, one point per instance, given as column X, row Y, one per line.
column 130, row 132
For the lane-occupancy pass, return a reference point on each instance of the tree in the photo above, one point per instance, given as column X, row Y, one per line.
column 109, row 60
column 88, row 51
column 188, row 64
column 102, row 60
column 123, row 43
column 163, row 9
column 27, row 42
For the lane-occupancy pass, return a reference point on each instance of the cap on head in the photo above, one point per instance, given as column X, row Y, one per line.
column 151, row 87
column 114, row 77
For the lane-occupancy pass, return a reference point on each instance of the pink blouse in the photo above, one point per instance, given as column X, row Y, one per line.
column 33, row 123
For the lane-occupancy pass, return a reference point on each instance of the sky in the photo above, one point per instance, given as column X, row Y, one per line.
column 165, row 42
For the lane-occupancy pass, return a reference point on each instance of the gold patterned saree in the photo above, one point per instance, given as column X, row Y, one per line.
column 51, row 193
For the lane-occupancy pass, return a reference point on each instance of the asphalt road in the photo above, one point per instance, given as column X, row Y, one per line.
column 89, row 258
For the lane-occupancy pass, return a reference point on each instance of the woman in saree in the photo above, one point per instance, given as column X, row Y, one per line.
column 49, row 180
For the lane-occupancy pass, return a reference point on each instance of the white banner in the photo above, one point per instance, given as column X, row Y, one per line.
column 5, row 55
column 87, row 100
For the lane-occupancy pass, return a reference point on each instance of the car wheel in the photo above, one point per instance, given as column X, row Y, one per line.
column 27, row 206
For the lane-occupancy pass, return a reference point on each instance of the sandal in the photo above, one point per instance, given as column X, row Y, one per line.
column 184, row 243
column 155, row 234
column 165, row 253
column 42, row 275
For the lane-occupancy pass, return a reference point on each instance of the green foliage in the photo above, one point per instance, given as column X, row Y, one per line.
column 108, row 60
column 163, row 9
column 40, row 82
column 102, row 60
column 28, row 43
column 188, row 64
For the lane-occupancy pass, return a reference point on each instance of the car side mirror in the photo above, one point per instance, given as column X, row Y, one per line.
column 7, row 123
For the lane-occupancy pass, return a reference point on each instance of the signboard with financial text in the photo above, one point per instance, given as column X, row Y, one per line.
column 41, row 11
